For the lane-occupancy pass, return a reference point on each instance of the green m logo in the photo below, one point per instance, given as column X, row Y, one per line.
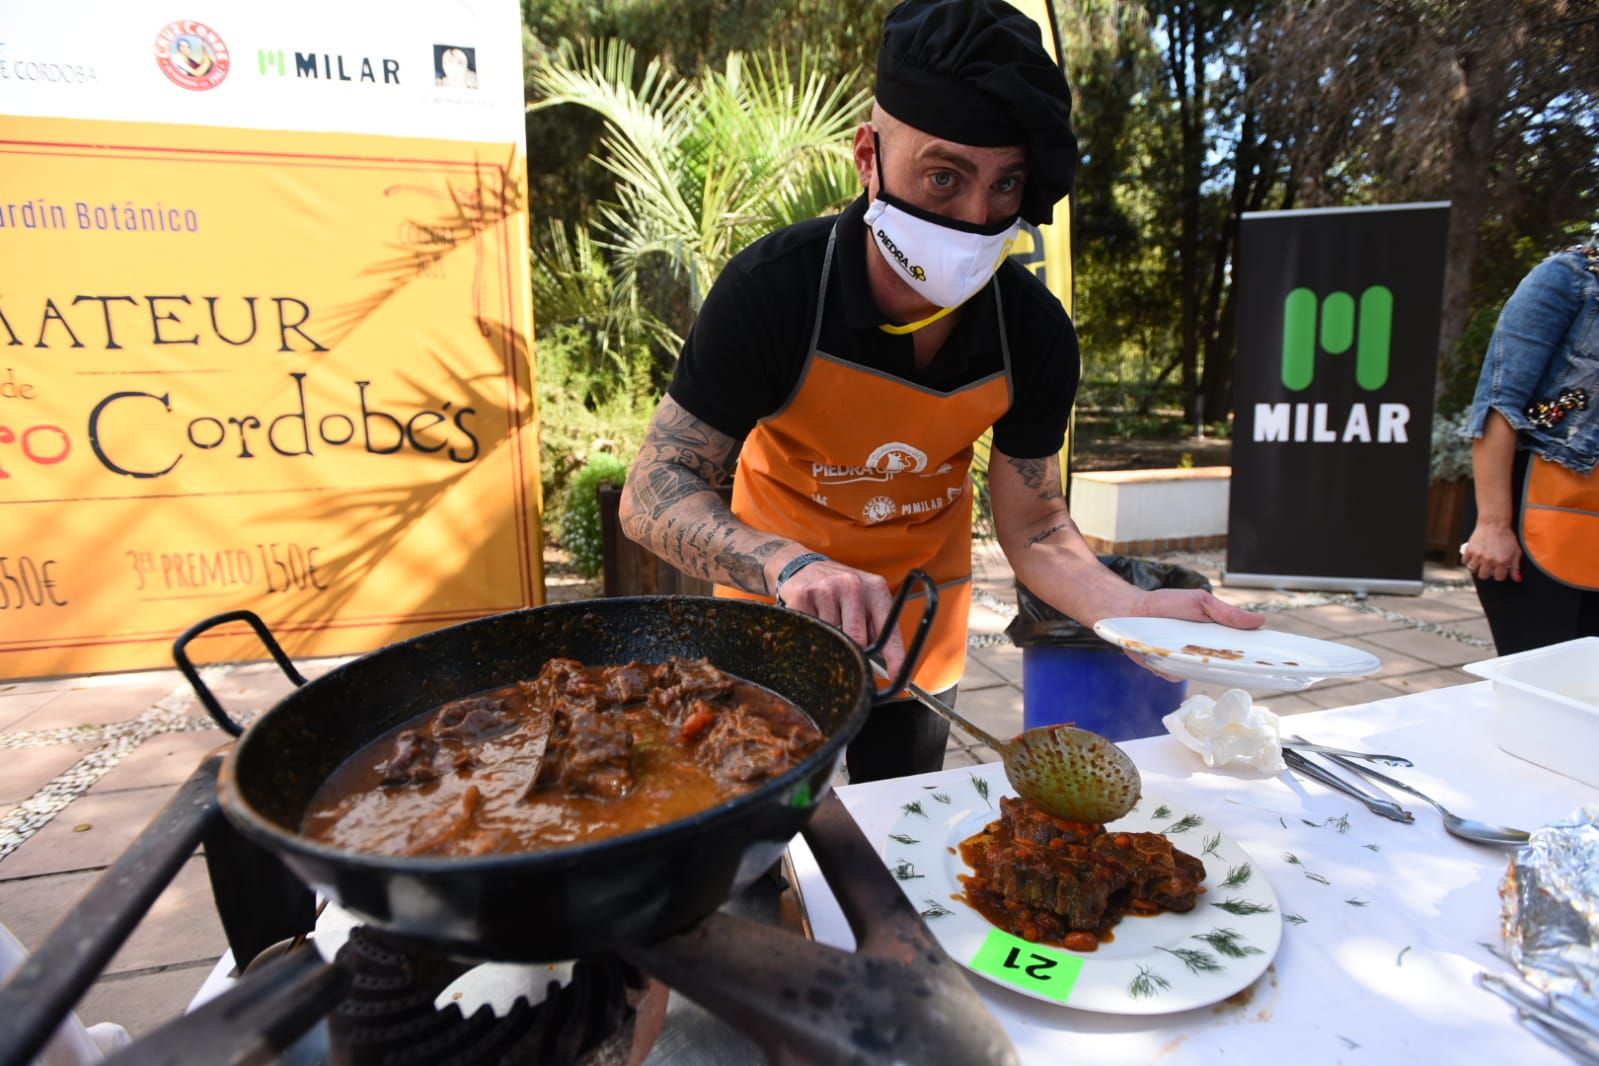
column 1338, row 333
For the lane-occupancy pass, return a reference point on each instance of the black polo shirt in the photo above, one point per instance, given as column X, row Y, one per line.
column 747, row 348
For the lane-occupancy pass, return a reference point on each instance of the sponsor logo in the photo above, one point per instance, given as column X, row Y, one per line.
column 899, row 257
column 327, row 66
column 1335, row 327
column 886, row 462
column 879, row 509
column 454, row 66
column 192, row 55
column 29, row 69
column 1335, row 324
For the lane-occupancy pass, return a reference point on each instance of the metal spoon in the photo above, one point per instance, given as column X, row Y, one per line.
column 1464, row 828
column 1064, row 771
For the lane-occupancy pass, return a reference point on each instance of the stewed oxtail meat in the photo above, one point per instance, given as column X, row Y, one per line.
column 1057, row 882
column 578, row 753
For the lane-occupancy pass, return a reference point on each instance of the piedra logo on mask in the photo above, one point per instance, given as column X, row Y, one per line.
column 899, row 257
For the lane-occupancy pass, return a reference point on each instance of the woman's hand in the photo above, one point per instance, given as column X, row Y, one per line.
column 1492, row 553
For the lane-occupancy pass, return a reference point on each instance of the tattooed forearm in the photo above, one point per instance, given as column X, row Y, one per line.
column 661, row 487
column 1040, row 475
column 669, row 506
column 1039, row 538
column 748, row 568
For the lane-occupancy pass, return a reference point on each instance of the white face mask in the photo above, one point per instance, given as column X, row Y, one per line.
column 944, row 260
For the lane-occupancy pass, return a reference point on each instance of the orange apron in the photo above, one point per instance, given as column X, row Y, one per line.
column 873, row 471
column 1560, row 523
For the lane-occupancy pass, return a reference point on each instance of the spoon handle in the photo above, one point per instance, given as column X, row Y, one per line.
column 934, row 703
column 1379, row 776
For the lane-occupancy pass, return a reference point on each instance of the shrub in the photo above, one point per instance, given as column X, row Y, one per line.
column 580, row 512
column 1451, row 448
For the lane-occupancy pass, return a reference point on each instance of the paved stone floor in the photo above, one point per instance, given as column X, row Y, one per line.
column 89, row 760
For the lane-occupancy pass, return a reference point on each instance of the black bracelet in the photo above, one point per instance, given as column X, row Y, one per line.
column 795, row 565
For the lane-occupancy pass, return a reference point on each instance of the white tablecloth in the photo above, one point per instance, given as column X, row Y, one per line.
column 1390, row 981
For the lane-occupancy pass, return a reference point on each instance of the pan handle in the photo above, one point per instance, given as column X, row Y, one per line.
column 914, row 652
column 180, row 654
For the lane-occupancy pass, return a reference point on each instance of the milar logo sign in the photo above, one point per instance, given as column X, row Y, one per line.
column 1340, row 327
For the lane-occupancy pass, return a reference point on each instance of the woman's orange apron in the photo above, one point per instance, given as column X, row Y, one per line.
column 1560, row 523
column 873, row 471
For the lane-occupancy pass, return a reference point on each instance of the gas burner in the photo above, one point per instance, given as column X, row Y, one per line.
column 389, row 1016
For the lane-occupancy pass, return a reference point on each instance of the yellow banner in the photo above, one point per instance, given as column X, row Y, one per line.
column 283, row 371
column 1047, row 250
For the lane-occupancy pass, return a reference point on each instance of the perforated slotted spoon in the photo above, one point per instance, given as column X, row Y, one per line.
column 1064, row 771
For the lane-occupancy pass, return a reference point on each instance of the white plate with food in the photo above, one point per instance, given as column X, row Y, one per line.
column 1147, row 964
column 1237, row 658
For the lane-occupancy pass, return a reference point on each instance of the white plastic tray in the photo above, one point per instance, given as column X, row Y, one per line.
column 1546, row 706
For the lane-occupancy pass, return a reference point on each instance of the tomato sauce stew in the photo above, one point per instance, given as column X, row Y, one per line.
column 1068, row 883
column 580, row 753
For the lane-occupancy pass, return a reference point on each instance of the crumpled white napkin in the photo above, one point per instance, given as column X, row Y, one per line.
column 1229, row 730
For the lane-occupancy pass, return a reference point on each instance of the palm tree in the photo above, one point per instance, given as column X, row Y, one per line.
column 703, row 167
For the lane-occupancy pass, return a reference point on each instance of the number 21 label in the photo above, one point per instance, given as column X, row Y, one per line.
column 1027, row 965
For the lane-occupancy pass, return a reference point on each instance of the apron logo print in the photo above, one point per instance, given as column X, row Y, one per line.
column 886, row 462
column 878, row 509
column 896, row 458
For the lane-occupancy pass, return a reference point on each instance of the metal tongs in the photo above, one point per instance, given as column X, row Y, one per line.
column 1301, row 744
column 1316, row 772
column 1558, row 1020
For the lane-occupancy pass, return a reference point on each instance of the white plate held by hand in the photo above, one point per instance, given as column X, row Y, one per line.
column 1238, row 658
column 1155, row 965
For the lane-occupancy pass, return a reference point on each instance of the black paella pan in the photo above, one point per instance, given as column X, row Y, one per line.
column 567, row 902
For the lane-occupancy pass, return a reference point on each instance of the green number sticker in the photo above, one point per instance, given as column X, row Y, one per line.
column 1027, row 965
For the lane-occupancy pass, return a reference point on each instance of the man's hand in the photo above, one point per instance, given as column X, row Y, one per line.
column 853, row 600
column 1196, row 605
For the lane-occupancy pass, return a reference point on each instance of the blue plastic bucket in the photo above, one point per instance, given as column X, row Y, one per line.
column 1098, row 689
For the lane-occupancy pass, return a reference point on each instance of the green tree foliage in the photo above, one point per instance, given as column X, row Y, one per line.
column 681, row 171
column 1489, row 104
column 703, row 167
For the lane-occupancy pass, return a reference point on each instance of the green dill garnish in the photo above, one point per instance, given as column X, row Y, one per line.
column 1147, row 983
column 1184, row 824
column 1197, row 961
column 940, row 797
column 1371, row 847
column 1313, row 825
column 1211, row 844
column 1162, row 811
column 1243, row 907
column 1281, row 822
column 914, row 807
column 1340, row 823
column 1355, row 901
column 981, row 786
column 1237, row 875
column 1348, row 1043
column 903, row 839
column 1293, row 860
column 1400, row 961
column 1225, row 942
column 1297, row 919
column 935, row 909
column 906, row 871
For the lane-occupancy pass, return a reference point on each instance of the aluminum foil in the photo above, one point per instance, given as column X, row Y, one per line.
column 1550, row 899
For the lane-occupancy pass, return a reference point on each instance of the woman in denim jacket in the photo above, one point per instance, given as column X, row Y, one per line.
column 1538, row 395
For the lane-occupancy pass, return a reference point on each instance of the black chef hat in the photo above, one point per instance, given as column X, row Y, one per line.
column 976, row 72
